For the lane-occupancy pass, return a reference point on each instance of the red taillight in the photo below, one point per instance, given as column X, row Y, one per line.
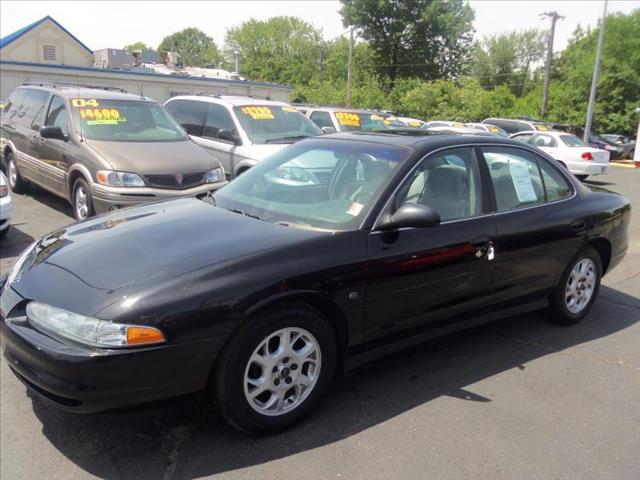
column 4, row 190
column 587, row 156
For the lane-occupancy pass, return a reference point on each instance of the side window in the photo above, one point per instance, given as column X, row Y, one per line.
column 555, row 185
column 218, row 118
column 524, row 137
column 321, row 119
column 447, row 182
column 33, row 109
column 515, row 176
column 544, row 141
column 189, row 114
column 58, row 115
column 14, row 103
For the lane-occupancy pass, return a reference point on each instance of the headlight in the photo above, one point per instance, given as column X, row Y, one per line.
column 89, row 330
column 119, row 179
column 216, row 175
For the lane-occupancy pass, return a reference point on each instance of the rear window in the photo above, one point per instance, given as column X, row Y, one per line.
column 124, row 121
column 571, row 141
column 360, row 121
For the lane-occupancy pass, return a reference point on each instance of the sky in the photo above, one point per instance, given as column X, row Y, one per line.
column 113, row 24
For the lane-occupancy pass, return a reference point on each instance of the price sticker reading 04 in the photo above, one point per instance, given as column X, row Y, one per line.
column 345, row 118
column 258, row 113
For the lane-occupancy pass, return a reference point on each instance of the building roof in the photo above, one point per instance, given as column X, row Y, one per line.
column 4, row 41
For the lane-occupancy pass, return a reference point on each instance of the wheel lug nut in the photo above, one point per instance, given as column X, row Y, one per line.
column 294, row 366
column 276, row 381
column 288, row 380
column 275, row 369
column 285, row 360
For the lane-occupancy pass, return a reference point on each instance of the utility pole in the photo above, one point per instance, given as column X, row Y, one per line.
column 350, row 68
column 554, row 16
column 594, row 80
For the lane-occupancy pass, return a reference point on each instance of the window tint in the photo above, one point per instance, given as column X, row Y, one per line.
column 33, row 107
column 556, row 186
column 322, row 119
column 218, row 118
column 189, row 114
column 448, row 182
column 515, row 177
column 14, row 103
column 544, row 141
column 58, row 115
column 572, row 141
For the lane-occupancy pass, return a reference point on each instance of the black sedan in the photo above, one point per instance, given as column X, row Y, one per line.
column 331, row 252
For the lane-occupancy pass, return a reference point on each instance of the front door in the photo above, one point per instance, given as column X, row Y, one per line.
column 53, row 153
column 418, row 276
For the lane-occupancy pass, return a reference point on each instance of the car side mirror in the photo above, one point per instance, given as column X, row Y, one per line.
column 413, row 215
column 53, row 132
column 229, row 136
column 328, row 130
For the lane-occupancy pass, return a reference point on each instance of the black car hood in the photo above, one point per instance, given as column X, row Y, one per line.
column 89, row 264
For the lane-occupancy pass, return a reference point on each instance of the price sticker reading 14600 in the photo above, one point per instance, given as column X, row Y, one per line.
column 100, row 113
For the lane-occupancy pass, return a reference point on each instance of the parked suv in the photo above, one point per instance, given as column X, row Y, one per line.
column 512, row 126
column 100, row 149
column 339, row 119
column 240, row 131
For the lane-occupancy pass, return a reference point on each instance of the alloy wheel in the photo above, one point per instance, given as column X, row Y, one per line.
column 580, row 285
column 282, row 371
column 81, row 203
column 13, row 174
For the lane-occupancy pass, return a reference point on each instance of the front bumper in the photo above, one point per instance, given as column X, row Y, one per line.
column 107, row 198
column 83, row 379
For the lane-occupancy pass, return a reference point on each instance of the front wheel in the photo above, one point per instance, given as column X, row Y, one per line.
column 274, row 370
column 82, row 201
column 574, row 295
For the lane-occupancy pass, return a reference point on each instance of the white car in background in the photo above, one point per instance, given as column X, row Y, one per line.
column 5, row 205
column 571, row 151
column 412, row 122
column 486, row 127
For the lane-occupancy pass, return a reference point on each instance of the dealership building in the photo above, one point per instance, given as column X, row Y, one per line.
column 46, row 52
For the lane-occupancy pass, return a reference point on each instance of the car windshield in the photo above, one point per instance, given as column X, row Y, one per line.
column 124, row 121
column 274, row 123
column 497, row 131
column 319, row 184
column 360, row 121
column 571, row 141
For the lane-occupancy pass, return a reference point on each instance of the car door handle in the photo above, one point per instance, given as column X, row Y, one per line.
column 579, row 226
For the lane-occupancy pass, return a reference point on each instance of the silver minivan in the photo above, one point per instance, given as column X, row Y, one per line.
column 240, row 131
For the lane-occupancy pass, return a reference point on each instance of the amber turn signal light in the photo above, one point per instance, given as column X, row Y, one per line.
column 141, row 335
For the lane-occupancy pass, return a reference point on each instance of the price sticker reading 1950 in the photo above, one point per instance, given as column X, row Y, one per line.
column 84, row 102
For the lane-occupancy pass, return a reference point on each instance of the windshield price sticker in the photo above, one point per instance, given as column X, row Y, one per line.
column 258, row 113
column 493, row 130
column 101, row 116
column 289, row 109
column 522, row 181
column 84, row 102
column 542, row 128
column 376, row 117
column 414, row 123
column 345, row 118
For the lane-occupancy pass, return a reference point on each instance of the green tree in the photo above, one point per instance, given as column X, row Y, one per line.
column 194, row 46
column 137, row 46
column 281, row 49
column 425, row 38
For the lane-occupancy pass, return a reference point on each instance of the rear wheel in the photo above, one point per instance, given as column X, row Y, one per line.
column 82, row 201
column 16, row 182
column 275, row 369
column 574, row 295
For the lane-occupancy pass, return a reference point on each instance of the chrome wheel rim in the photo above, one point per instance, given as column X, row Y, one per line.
column 13, row 174
column 81, row 203
column 580, row 285
column 282, row 371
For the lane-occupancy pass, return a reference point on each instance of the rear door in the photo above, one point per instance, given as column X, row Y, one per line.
column 421, row 276
column 538, row 227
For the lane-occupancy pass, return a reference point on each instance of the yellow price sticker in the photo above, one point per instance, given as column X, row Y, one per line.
column 414, row 123
column 92, row 114
column 458, row 125
column 258, row 113
column 345, row 118
column 542, row 128
column 289, row 109
column 376, row 117
column 84, row 102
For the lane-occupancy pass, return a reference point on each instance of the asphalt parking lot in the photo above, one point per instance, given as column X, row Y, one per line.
column 520, row 398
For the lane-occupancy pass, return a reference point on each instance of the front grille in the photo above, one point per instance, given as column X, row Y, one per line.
column 189, row 180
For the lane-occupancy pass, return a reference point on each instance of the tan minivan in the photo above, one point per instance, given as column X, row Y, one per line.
column 101, row 149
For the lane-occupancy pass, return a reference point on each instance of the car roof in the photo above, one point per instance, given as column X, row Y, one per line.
column 232, row 100
column 71, row 91
column 418, row 139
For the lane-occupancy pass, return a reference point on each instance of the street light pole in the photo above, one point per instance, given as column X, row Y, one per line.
column 555, row 16
column 350, row 68
column 594, row 80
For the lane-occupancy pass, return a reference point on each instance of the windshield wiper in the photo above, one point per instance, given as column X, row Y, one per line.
column 285, row 139
column 246, row 214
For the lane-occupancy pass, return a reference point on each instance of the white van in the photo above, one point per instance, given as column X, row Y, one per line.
column 240, row 131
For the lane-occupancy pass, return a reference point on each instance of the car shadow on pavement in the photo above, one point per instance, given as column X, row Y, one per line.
column 182, row 439
column 14, row 242
column 51, row 200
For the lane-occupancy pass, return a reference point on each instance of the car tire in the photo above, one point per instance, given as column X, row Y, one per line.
column 81, row 200
column 263, row 383
column 582, row 178
column 577, row 289
column 17, row 184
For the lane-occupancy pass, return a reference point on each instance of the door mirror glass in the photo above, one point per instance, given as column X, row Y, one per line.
column 327, row 130
column 53, row 132
column 229, row 136
column 413, row 215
